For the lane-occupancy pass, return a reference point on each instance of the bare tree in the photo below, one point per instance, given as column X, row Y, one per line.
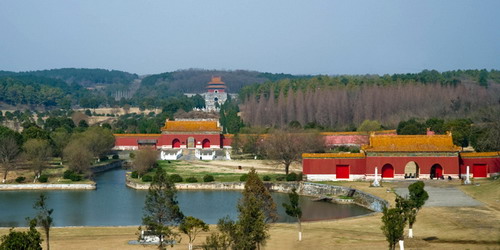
column 78, row 156
column 286, row 147
column 144, row 160
column 8, row 153
column 38, row 153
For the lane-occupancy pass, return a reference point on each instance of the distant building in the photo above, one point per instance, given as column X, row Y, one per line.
column 216, row 94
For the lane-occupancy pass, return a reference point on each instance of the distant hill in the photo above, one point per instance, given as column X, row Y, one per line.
column 195, row 81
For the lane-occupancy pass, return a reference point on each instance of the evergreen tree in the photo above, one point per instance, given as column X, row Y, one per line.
column 43, row 217
column 293, row 209
column 394, row 225
column 192, row 226
column 161, row 209
column 256, row 208
column 30, row 240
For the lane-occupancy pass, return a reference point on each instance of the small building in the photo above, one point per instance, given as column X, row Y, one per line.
column 402, row 157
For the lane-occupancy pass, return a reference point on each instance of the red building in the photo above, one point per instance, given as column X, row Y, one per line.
column 399, row 157
column 178, row 134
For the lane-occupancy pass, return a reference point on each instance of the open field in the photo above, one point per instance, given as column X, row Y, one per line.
column 436, row 227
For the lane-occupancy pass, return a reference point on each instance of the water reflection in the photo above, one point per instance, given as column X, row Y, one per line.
column 113, row 204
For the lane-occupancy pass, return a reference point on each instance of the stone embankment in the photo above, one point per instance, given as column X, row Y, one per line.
column 89, row 186
column 303, row 188
column 106, row 167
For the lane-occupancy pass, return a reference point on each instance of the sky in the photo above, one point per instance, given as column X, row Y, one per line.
column 279, row 36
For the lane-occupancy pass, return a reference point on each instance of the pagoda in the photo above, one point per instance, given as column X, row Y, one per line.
column 216, row 94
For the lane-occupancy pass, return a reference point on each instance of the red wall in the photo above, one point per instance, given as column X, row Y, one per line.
column 493, row 164
column 449, row 164
column 132, row 140
column 327, row 166
column 166, row 139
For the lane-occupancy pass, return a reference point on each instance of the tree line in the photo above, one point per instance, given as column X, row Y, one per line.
column 343, row 107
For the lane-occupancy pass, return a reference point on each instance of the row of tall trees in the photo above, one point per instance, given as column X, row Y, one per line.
column 344, row 107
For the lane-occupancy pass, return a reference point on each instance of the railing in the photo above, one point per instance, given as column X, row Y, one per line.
column 173, row 156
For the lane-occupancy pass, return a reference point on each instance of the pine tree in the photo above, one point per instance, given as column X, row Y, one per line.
column 293, row 209
column 161, row 209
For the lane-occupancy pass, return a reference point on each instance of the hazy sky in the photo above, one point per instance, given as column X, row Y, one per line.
column 289, row 36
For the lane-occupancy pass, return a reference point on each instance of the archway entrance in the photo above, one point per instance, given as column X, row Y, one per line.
column 387, row 171
column 411, row 170
column 176, row 143
column 206, row 143
column 191, row 142
column 436, row 171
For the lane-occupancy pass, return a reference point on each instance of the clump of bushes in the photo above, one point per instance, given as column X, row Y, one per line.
column 104, row 158
column 20, row 179
column 134, row 175
column 191, row 179
column 280, row 177
column 244, row 177
column 208, row 178
column 72, row 175
column 175, row 178
column 266, row 178
column 147, row 178
column 115, row 156
column 291, row 176
column 43, row 178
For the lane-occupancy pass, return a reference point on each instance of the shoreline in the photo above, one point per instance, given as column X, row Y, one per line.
column 320, row 191
column 78, row 186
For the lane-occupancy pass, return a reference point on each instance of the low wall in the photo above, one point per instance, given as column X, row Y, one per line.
column 106, row 167
column 304, row 188
column 46, row 186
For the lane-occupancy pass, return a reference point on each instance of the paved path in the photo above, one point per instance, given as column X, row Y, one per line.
column 445, row 197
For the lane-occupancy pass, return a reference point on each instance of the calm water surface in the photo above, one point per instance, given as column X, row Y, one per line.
column 113, row 204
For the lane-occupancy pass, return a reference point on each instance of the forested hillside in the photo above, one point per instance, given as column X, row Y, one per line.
column 344, row 102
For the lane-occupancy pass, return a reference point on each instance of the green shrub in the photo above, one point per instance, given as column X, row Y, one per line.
column 43, row 178
column 116, row 157
column 280, row 178
column 208, row 178
column 176, row 178
column 104, row 158
column 67, row 174
column 131, row 155
column 20, row 179
column 191, row 179
column 244, row 177
column 75, row 177
column 147, row 178
column 300, row 176
column 291, row 177
column 134, row 175
column 266, row 178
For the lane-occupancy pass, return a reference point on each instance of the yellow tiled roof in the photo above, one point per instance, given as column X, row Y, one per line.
column 411, row 143
column 480, row 154
column 191, row 126
column 333, row 155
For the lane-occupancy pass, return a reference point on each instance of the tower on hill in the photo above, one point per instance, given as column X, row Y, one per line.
column 216, row 94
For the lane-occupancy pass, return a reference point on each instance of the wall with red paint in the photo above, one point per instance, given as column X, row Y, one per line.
column 327, row 166
column 449, row 164
column 492, row 162
column 132, row 140
column 166, row 139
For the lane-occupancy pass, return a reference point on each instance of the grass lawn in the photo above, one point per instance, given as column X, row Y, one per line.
column 187, row 169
